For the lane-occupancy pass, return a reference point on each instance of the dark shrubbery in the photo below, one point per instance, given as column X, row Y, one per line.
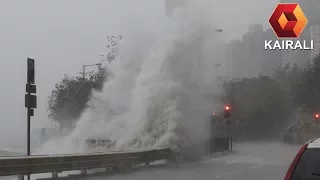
column 70, row 96
column 263, row 106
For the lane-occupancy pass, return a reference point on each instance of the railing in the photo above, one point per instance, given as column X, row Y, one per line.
column 55, row 164
column 58, row 163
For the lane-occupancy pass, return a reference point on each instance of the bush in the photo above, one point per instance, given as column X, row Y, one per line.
column 259, row 105
column 264, row 106
column 70, row 96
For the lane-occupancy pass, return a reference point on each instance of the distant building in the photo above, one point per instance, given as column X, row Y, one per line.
column 249, row 58
column 272, row 59
column 315, row 36
column 218, row 60
column 299, row 57
column 236, row 57
column 229, row 59
column 247, row 54
column 311, row 9
column 254, row 42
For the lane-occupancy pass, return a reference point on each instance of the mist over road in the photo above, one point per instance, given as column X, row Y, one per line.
column 262, row 160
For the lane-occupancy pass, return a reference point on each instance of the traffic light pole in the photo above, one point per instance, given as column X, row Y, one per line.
column 227, row 114
column 229, row 135
column 226, row 127
column 317, row 116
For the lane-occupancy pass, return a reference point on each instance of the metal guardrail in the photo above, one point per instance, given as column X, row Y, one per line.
column 24, row 165
column 58, row 163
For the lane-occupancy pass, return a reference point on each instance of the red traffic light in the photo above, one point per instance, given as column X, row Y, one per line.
column 227, row 107
column 227, row 111
column 317, row 116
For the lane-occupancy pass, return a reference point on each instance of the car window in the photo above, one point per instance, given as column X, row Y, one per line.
column 308, row 167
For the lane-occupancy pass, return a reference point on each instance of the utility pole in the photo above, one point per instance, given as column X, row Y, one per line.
column 204, row 61
column 206, row 34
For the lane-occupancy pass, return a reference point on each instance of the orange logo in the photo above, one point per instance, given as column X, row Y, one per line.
column 288, row 20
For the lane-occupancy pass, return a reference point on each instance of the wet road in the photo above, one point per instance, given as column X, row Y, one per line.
column 263, row 161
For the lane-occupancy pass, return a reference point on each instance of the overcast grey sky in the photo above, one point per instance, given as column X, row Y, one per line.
column 64, row 34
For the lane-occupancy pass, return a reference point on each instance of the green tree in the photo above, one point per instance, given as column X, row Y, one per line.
column 264, row 106
column 307, row 90
column 70, row 96
column 113, row 52
column 259, row 105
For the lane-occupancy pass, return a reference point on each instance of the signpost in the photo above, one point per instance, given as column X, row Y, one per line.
column 30, row 99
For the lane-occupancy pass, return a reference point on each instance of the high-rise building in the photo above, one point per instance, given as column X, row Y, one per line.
column 315, row 36
column 272, row 59
column 252, row 52
column 248, row 58
column 236, row 55
column 229, row 59
column 311, row 9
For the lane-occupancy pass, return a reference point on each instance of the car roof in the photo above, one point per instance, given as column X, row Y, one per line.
column 314, row 143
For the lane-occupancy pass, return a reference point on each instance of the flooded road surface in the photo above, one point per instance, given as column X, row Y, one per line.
column 263, row 161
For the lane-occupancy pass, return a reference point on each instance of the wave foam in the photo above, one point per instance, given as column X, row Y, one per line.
column 155, row 97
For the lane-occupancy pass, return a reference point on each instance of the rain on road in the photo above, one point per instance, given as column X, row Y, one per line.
column 263, row 161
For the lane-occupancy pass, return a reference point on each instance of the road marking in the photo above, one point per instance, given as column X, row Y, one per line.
column 238, row 171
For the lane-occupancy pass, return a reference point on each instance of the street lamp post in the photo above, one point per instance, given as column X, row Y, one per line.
column 86, row 65
column 216, row 65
